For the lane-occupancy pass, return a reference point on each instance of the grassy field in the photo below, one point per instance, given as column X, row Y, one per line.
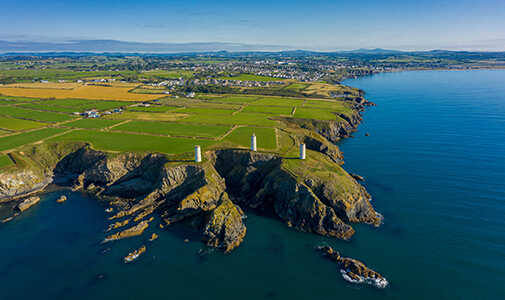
column 153, row 108
column 5, row 161
column 147, row 116
column 234, row 99
column 173, row 129
column 241, row 118
column 19, row 124
column 309, row 113
column 80, row 92
column 279, row 101
column 272, row 110
column 92, row 123
column 29, row 114
column 14, row 141
column 265, row 137
column 123, row 142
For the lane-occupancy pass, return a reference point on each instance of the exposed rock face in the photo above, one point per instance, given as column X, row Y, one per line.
column 18, row 183
column 27, row 203
column 353, row 270
column 224, row 227
column 331, row 130
column 317, row 204
column 208, row 194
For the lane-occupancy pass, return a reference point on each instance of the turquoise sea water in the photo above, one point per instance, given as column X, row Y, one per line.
column 434, row 164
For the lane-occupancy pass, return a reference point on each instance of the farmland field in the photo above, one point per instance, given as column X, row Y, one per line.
column 153, row 108
column 265, row 137
column 241, row 118
column 309, row 113
column 113, row 141
column 274, row 110
column 92, row 123
column 5, row 161
column 173, row 129
column 81, row 92
column 13, row 141
column 279, row 101
column 35, row 115
column 19, row 124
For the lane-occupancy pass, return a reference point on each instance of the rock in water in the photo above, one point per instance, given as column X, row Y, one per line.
column 132, row 231
column 135, row 254
column 61, row 199
column 353, row 270
column 27, row 203
column 153, row 237
column 357, row 177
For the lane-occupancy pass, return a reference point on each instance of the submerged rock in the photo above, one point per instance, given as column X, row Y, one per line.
column 135, row 254
column 353, row 270
column 61, row 199
column 27, row 203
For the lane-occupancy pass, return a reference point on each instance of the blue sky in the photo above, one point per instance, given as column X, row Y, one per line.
column 316, row 24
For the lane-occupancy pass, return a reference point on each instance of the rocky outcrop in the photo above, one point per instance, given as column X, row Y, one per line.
column 308, row 202
column 27, row 203
column 315, row 195
column 353, row 270
column 132, row 231
column 224, row 227
column 333, row 131
column 20, row 183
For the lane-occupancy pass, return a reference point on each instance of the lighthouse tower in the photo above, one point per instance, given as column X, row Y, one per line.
column 302, row 151
column 253, row 143
column 198, row 154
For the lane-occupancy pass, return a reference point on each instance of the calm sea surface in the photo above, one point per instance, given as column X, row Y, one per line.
column 434, row 163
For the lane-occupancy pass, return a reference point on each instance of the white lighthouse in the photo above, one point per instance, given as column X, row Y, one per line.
column 302, row 151
column 198, row 154
column 253, row 143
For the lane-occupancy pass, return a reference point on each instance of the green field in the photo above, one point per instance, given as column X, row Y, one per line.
column 5, row 161
column 35, row 115
column 19, row 124
column 273, row 110
column 235, row 99
column 265, row 137
column 241, row 118
column 72, row 105
column 309, row 113
column 279, row 101
column 14, row 141
column 173, row 129
column 153, row 108
column 92, row 123
column 123, row 142
column 205, row 111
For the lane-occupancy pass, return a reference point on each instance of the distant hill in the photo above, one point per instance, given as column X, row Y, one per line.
column 121, row 46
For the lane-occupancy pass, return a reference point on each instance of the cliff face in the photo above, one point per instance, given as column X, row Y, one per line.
column 331, row 130
column 313, row 196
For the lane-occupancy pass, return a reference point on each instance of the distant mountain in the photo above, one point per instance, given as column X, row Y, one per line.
column 130, row 47
column 374, row 51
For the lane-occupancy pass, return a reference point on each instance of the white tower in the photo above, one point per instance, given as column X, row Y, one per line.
column 253, row 143
column 302, row 151
column 198, row 154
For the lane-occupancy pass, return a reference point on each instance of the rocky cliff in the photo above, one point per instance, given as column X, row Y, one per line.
column 315, row 195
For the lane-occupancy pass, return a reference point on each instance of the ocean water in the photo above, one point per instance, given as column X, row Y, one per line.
column 434, row 163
